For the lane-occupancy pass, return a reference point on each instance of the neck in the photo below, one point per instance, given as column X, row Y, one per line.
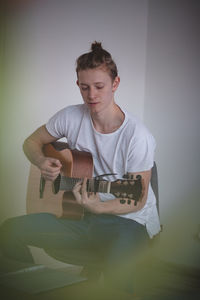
column 93, row 185
column 108, row 121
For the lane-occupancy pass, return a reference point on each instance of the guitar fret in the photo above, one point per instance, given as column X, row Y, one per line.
column 108, row 187
column 67, row 183
column 89, row 186
column 103, row 186
column 101, row 190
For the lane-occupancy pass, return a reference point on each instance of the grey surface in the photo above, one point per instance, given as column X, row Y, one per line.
column 36, row 278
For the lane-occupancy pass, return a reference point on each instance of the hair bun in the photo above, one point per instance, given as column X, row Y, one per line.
column 96, row 46
column 97, row 57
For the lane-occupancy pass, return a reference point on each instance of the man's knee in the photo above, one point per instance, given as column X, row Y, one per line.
column 25, row 224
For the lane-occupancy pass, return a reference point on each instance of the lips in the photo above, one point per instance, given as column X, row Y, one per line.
column 93, row 103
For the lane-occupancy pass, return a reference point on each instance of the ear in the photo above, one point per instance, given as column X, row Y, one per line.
column 115, row 83
column 77, row 82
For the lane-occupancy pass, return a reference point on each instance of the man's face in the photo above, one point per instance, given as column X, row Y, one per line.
column 97, row 89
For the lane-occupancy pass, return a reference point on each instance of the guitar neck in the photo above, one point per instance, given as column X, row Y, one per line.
column 101, row 186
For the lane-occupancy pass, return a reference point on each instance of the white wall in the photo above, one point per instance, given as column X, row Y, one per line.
column 172, row 109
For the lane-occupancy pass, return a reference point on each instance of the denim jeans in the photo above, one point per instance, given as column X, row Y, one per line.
column 117, row 240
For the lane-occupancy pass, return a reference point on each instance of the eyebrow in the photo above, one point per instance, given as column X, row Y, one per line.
column 94, row 83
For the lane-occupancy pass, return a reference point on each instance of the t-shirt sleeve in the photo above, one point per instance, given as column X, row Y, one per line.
column 56, row 125
column 141, row 153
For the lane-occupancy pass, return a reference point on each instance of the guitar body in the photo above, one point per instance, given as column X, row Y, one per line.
column 78, row 164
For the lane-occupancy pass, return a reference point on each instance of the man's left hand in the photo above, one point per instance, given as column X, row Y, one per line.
column 90, row 201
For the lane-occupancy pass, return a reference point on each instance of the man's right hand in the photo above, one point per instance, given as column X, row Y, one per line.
column 50, row 168
column 33, row 148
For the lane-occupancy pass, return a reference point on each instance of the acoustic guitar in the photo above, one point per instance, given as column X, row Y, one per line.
column 57, row 197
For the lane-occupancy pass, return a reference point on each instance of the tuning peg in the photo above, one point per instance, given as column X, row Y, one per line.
column 130, row 196
column 122, row 201
column 125, row 182
column 132, row 182
column 117, row 194
column 129, row 176
column 118, row 181
column 126, row 176
column 124, row 195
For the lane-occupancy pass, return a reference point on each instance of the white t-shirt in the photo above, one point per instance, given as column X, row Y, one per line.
column 128, row 149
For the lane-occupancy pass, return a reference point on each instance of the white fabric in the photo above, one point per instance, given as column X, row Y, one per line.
column 128, row 149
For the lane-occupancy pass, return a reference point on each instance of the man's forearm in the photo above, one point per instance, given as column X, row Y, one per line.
column 115, row 207
column 33, row 151
column 34, row 143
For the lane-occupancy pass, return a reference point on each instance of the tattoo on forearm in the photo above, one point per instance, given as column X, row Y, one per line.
column 123, row 201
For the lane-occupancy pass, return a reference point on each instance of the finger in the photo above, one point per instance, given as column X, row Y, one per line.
column 79, row 183
column 83, row 187
column 56, row 162
column 49, row 178
column 76, row 188
column 52, row 174
column 51, row 169
column 77, row 192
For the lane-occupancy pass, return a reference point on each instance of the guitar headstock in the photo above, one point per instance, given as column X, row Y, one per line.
column 129, row 188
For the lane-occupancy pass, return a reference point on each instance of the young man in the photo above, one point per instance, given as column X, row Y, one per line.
column 119, row 144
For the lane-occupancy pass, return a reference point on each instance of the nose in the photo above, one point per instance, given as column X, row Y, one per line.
column 91, row 93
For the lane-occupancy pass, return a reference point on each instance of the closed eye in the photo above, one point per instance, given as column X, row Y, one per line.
column 84, row 88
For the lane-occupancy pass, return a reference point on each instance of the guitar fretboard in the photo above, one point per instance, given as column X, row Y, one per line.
column 67, row 184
